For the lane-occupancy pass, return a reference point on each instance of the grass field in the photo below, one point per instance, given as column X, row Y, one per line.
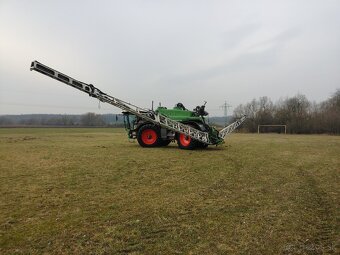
column 91, row 191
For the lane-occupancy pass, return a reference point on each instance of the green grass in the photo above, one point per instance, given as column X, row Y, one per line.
column 91, row 191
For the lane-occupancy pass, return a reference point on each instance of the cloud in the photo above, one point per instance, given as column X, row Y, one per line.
column 258, row 55
column 167, row 51
column 233, row 38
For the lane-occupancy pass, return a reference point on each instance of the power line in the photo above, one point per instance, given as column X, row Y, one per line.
column 225, row 107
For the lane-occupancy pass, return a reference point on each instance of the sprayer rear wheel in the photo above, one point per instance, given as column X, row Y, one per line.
column 202, row 145
column 164, row 142
column 186, row 142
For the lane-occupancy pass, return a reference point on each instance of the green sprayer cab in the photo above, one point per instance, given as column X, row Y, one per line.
column 154, row 128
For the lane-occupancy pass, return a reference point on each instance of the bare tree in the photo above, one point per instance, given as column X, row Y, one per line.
column 298, row 113
column 92, row 119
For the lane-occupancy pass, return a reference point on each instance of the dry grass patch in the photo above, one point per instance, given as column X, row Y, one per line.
column 90, row 191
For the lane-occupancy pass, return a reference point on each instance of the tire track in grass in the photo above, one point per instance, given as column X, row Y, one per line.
column 148, row 234
column 316, row 201
column 170, row 227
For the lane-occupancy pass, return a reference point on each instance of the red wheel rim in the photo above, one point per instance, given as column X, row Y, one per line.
column 184, row 140
column 149, row 136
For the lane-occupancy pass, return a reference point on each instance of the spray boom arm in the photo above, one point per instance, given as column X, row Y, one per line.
column 146, row 114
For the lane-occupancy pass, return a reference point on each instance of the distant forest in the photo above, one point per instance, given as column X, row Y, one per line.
column 82, row 120
column 299, row 114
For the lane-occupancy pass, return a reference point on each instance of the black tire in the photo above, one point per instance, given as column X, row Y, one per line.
column 149, row 136
column 164, row 142
column 186, row 143
column 194, row 143
column 202, row 145
column 204, row 128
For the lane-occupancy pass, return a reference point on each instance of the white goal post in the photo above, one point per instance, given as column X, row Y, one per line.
column 258, row 127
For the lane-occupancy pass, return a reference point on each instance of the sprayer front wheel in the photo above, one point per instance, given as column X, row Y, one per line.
column 148, row 136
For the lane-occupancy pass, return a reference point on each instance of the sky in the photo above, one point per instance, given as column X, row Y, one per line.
column 167, row 51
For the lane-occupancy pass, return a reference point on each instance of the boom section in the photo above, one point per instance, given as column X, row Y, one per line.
column 148, row 115
column 229, row 129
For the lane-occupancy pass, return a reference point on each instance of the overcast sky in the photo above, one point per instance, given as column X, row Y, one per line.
column 167, row 51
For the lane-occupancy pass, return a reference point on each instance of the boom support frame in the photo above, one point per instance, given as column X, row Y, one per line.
column 146, row 114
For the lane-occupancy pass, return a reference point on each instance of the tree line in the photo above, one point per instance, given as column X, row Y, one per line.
column 89, row 119
column 299, row 114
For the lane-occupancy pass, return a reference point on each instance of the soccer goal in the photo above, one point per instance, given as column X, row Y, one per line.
column 271, row 127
